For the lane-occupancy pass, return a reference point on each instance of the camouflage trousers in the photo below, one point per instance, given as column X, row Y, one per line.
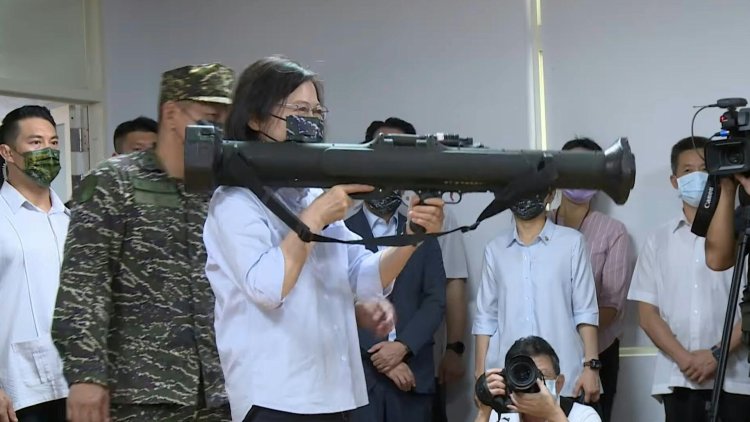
column 167, row 413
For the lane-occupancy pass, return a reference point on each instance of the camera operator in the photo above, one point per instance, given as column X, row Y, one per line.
column 536, row 407
column 285, row 318
column 721, row 241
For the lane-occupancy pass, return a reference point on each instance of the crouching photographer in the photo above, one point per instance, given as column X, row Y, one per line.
column 527, row 389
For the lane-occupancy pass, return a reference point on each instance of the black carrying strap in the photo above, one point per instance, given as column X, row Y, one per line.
column 536, row 181
column 707, row 207
column 566, row 404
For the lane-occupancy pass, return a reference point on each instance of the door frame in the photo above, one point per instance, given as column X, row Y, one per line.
column 92, row 96
column 61, row 114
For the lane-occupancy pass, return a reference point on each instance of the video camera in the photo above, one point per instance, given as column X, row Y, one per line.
column 730, row 155
column 520, row 375
column 723, row 157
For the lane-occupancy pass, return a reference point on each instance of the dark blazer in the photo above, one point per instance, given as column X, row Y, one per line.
column 419, row 299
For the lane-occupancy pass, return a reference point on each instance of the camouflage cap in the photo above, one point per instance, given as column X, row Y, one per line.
column 210, row 83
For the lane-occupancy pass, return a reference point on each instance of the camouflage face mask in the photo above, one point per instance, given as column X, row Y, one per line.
column 387, row 205
column 42, row 165
column 529, row 208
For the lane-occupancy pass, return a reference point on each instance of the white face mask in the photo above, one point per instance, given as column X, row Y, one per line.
column 551, row 385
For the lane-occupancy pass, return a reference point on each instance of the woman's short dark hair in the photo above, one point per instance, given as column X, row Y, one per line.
column 394, row 122
column 262, row 87
column 585, row 143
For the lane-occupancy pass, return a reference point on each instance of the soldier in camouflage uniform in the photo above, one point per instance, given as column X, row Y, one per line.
column 134, row 317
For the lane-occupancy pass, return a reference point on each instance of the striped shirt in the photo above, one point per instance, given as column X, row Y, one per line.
column 612, row 263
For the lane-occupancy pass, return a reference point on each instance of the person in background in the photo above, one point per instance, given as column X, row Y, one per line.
column 399, row 368
column 612, row 263
column 7, row 414
column 449, row 338
column 545, row 406
column 134, row 320
column 33, row 225
column 682, row 304
column 537, row 280
column 138, row 134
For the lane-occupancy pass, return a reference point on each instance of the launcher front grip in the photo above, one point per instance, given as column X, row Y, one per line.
column 397, row 163
column 416, row 228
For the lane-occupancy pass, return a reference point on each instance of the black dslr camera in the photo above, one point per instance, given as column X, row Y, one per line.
column 520, row 376
column 731, row 155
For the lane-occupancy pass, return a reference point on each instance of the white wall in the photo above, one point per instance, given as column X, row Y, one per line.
column 441, row 64
column 636, row 69
column 612, row 68
column 437, row 63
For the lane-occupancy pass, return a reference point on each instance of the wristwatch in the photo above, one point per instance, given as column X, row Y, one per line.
column 458, row 347
column 716, row 351
column 593, row 364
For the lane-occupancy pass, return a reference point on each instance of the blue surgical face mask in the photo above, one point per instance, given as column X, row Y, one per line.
column 552, row 387
column 691, row 187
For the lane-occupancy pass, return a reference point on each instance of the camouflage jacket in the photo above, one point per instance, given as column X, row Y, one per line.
column 134, row 310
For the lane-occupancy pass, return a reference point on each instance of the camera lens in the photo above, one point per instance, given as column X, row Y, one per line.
column 521, row 374
column 736, row 158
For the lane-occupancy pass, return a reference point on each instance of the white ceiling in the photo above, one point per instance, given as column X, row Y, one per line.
column 7, row 104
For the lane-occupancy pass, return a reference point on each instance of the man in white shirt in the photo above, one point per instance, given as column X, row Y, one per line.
column 33, row 226
column 544, row 406
column 682, row 304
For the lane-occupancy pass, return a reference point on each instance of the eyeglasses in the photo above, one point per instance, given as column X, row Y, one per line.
column 305, row 109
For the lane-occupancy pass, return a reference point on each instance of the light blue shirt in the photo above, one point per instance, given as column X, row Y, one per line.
column 544, row 289
column 380, row 228
column 300, row 353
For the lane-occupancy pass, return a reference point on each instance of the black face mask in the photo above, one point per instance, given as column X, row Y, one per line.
column 385, row 206
column 529, row 208
column 301, row 129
